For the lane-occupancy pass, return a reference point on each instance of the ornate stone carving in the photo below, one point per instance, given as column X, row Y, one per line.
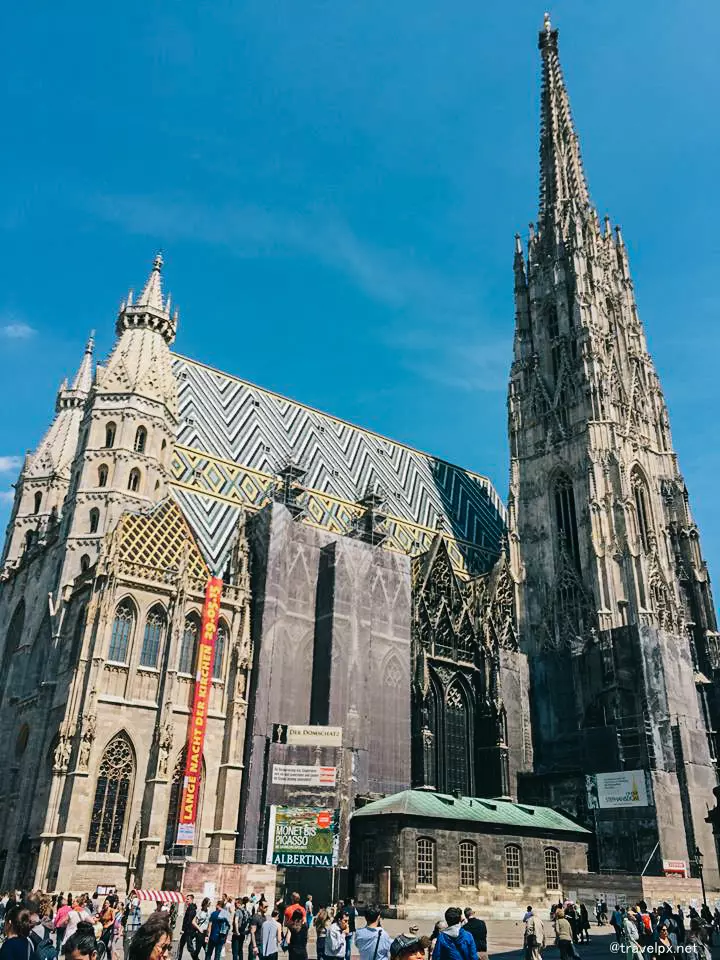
column 87, row 737
column 164, row 747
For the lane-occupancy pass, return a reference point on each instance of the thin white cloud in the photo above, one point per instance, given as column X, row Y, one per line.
column 10, row 463
column 17, row 331
column 451, row 342
column 6, row 497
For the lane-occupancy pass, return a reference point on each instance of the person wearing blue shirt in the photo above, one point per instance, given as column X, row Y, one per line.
column 219, row 930
column 454, row 943
column 372, row 941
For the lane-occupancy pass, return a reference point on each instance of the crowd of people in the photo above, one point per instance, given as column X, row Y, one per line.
column 41, row 927
column 640, row 930
column 84, row 927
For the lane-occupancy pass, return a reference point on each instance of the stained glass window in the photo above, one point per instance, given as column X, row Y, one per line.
column 112, row 796
column 121, row 631
column 188, row 645
column 154, row 626
column 457, row 741
column 513, row 866
column 425, row 851
column 468, row 864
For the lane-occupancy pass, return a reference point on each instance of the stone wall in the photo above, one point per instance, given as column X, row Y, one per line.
column 395, row 845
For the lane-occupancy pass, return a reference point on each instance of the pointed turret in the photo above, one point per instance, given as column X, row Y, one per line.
column 76, row 395
column 150, row 310
column 45, row 477
column 84, row 377
column 562, row 180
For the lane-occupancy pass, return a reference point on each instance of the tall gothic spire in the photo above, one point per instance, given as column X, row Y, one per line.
column 84, row 376
column 562, row 179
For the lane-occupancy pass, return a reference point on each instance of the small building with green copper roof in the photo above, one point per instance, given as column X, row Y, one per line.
column 419, row 852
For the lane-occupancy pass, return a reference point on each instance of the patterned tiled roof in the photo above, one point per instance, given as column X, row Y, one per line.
column 234, row 437
column 440, row 806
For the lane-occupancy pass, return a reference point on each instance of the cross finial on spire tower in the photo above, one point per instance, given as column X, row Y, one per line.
column 562, row 180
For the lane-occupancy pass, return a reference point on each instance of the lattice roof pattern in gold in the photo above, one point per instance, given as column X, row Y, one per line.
column 159, row 540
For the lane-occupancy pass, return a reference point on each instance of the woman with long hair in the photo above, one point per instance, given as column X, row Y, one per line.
column 17, row 945
column 321, row 923
column 202, row 922
column 106, row 916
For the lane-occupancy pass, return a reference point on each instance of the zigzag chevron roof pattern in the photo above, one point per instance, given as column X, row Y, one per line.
column 234, row 437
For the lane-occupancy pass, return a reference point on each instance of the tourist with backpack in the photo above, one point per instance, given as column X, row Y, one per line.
column 41, row 935
column 454, row 942
column 240, row 926
column 219, row 929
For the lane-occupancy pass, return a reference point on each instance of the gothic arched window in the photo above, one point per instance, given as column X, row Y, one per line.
column 102, row 475
column 457, row 741
column 112, row 797
column 552, row 869
column 431, row 748
column 513, row 865
column 13, row 638
column 134, row 480
column 140, row 439
column 121, row 632
column 642, row 508
column 38, row 502
column 94, row 520
column 110, row 431
column 173, row 816
column 154, row 628
column 566, row 518
column 84, row 563
column 425, row 861
column 219, row 657
column 188, row 644
column 468, row 863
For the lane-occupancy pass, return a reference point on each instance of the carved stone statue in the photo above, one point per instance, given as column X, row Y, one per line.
column 87, row 737
column 164, row 748
column 62, row 755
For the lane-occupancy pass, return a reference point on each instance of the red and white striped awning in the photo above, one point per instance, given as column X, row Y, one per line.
column 164, row 896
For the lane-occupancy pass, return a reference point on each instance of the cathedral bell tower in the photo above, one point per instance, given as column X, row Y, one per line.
column 128, row 429
column 615, row 611
column 45, row 477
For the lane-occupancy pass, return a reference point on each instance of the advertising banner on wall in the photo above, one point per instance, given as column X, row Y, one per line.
column 298, row 775
column 626, row 788
column 303, row 836
column 198, row 716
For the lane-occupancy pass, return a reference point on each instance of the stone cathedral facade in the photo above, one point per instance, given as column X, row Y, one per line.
column 463, row 649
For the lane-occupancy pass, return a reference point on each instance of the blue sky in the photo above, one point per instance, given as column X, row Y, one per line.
column 336, row 186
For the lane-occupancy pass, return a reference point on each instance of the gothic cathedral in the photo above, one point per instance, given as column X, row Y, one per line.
column 615, row 609
column 464, row 649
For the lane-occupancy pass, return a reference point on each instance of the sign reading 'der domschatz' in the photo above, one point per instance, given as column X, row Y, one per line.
column 303, row 836
column 306, row 735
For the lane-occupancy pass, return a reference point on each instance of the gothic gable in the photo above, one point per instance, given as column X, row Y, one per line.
column 160, row 539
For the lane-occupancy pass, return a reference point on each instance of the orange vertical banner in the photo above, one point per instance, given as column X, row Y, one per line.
column 198, row 717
